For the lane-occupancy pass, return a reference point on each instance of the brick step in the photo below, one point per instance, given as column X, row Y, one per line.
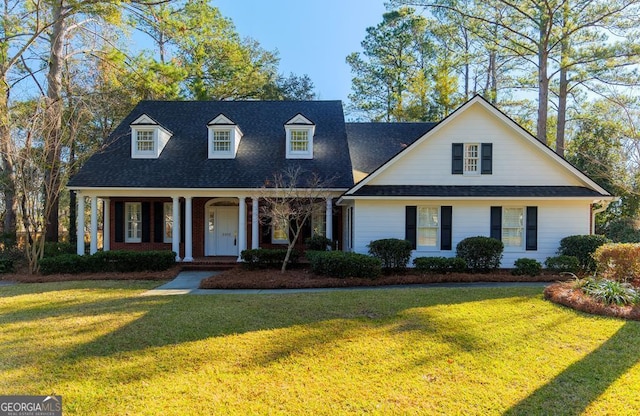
column 208, row 266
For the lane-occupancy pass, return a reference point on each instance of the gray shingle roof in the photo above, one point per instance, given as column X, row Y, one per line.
column 373, row 144
column 475, row 191
column 184, row 162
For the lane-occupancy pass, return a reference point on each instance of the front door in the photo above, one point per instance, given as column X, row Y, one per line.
column 222, row 231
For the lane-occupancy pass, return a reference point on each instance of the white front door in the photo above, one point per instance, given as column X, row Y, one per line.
column 222, row 231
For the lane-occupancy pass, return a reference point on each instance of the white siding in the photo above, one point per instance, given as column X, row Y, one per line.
column 556, row 220
column 516, row 161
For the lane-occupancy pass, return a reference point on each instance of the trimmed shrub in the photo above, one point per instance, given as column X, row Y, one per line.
column 344, row 264
column 108, row 261
column 65, row 263
column 265, row 258
column 609, row 292
column 6, row 265
column 560, row 264
column 392, row 252
column 526, row 267
column 582, row 247
column 52, row 249
column 482, row 254
column 318, row 243
column 440, row 265
column 618, row 262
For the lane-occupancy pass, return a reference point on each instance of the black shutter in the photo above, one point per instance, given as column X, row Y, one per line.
column 265, row 230
column 446, row 218
column 158, row 222
column 119, row 221
column 486, row 159
column 410, row 225
column 496, row 223
column 146, row 222
column 532, row 228
column 307, row 231
column 457, row 156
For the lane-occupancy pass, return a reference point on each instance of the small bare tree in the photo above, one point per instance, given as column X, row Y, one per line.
column 288, row 201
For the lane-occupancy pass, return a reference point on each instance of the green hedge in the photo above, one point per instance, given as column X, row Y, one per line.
column 482, row 254
column 526, row 267
column 108, row 261
column 582, row 247
column 392, row 252
column 52, row 249
column 560, row 264
column 344, row 264
column 264, row 258
column 318, row 243
column 440, row 265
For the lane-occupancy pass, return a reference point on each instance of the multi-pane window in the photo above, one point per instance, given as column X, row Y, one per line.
column 428, row 225
column 168, row 222
column 513, row 227
column 471, row 158
column 280, row 231
column 221, row 140
column 133, row 223
column 318, row 218
column 299, row 141
column 144, row 140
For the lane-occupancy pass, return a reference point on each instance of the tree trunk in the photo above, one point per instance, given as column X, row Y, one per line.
column 543, row 96
column 564, row 82
column 8, row 171
column 53, row 137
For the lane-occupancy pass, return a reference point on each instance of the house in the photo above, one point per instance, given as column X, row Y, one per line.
column 184, row 176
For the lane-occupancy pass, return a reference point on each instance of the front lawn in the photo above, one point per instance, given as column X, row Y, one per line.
column 416, row 351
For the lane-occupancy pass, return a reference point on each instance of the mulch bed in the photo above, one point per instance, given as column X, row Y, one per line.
column 565, row 294
column 24, row 277
column 240, row 278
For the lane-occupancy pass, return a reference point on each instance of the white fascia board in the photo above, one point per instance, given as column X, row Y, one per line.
column 478, row 198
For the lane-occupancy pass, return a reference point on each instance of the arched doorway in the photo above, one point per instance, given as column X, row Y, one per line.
column 221, row 227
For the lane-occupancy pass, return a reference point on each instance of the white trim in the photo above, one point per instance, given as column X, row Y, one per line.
column 80, row 224
column 525, row 135
column 194, row 192
column 93, row 245
column 478, row 198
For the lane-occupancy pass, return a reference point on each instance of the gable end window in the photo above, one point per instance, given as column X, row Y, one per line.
column 471, row 158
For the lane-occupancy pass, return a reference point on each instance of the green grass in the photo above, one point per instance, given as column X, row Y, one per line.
column 420, row 351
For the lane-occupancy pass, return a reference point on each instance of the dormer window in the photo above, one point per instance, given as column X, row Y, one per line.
column 224, row 138
column 299, row 138
column 148, row 138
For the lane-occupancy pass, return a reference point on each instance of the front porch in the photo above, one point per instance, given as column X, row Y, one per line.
column 209, row 229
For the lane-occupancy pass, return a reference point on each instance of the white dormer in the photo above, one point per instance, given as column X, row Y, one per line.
column 148, row 138
column 300, row 131
column 224, row 138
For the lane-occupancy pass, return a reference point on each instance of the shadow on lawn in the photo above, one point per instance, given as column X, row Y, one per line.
column 571, row 392
column 180, row 319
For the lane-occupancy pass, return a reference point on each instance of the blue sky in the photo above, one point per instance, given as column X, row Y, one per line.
column 311, row 36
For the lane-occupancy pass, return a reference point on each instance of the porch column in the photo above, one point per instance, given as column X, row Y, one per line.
column 329, row 220
column 175, row 238
column 242, row 226
column 80, row 230
column 188, row 229
column 93, row 246
column 106, row 225
column 255, row 223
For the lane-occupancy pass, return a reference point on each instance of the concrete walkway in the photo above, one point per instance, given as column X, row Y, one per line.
column 187, row 282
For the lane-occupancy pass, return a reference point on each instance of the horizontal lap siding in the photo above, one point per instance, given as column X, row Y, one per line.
column 556, row 219
column 429, row 163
